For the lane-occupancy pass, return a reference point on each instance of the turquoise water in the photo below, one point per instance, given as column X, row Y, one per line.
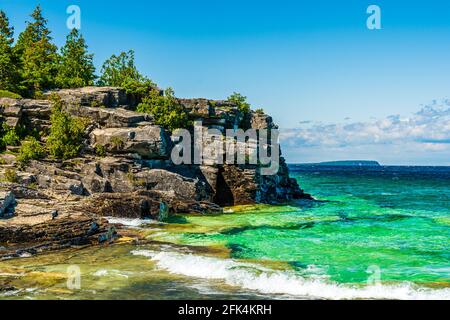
column 388, row 225
column 396, row 219
column 375, row 233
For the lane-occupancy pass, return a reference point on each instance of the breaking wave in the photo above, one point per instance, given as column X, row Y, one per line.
column 133, row 223
column 264, row 280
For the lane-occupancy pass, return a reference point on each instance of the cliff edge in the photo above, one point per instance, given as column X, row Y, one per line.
column 123, row 169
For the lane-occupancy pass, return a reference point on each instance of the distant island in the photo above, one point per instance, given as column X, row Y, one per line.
column 349, row 163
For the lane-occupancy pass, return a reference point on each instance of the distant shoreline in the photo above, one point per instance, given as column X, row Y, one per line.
column 347, row 163
column 324, row 164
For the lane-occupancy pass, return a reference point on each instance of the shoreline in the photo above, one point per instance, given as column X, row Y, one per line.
column 207, row 270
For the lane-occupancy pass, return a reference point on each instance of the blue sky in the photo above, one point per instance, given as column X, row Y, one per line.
column 301, row 61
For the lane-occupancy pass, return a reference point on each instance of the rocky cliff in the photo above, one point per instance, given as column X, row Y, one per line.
column 50, row 200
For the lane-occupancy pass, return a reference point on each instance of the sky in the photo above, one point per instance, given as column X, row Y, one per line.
column 337, row 89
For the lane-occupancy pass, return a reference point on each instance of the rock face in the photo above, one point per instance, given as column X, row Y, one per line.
column 125, row 170
column 111, row 118
column 7, row 200
column 74, row 230
column 110, row 97
column 149, row 142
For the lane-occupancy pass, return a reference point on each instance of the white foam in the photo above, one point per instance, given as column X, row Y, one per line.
column 130, row 222
column 268, row 281
column 104, row 272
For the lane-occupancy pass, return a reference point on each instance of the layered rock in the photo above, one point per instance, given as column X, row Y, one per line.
column 125, row 169
column 149, row 142
column 109, row 97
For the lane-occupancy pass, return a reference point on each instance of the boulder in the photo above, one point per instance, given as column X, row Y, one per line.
column 9, row 108
column 108, row 175
column 124, row 205
column 145, row 204
column 32, row 108
column 7, row 201
column 179, row 186
column 20, row 191
column 149, row 142
column 74, row 230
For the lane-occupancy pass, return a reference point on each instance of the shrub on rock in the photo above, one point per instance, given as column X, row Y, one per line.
column 66, row 132
column 8, row 94
column 166, row 110
column 30, row 149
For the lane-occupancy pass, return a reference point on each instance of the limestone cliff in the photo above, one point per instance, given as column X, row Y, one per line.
column 135, row 175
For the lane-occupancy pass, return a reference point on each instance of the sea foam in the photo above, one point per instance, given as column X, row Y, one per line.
column 267, row 281
column 133, row 223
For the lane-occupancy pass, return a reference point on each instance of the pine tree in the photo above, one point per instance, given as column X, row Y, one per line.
column 38, row 56
column 76, row 68
column 8, row 61
column 118, row 70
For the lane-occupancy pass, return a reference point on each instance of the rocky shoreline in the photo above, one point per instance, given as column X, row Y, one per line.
column 51, row 204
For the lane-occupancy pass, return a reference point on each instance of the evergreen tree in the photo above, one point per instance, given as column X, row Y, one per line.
column 38, row 56
column 118, row 70
column 8, row 62
column 76, row 68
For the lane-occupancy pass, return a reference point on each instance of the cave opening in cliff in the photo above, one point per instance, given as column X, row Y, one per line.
column 224, row 196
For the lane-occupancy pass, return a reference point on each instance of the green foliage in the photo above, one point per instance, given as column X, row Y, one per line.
column 135, row 181
column 139, row 88
column 96, row 104
column 38, row 56
column 11, row 176
column 100, row 150
column 166, row 110
column 9, row 94
column 6, row 31
column 120, row 70
column 117, row 143
column 9, row 74
column 243, row 106
column 259, row 111
column 10, row 136
column 76, row 67
column 30, row 149
column 240, row 101
column 66, row 132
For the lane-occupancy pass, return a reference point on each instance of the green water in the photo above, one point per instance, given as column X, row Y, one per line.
column 379, row 233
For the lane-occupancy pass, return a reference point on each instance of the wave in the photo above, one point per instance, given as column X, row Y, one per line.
column 267, row 281
column 136, row 223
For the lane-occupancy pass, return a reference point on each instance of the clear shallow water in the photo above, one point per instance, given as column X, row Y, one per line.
column 387, row 224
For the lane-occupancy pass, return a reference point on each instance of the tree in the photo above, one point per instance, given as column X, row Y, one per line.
column 38, row 56
column 166, row 110
column 118, row 70
column 8, row 63
column 76, row 65
column 243, row 106
column 240, row 101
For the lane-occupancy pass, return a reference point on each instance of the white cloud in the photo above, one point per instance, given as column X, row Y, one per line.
column 424, row 135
